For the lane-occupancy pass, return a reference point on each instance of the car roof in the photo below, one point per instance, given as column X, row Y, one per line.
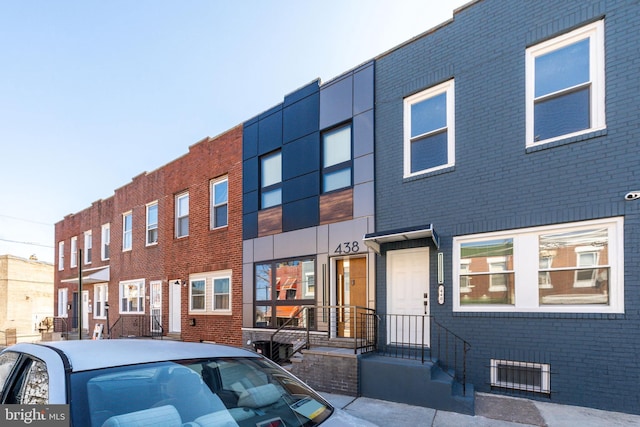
column 86, row 355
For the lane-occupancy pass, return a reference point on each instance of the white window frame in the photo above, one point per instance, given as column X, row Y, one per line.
column 60, row 255
column 88, row 246
column 73, row 262
column 152, row 226
column 545, row 376
column 526, row 268
column 123, row 293
column 209, row 292
column 105, row 242
column 593, row 31
column 448, row 88
column 63, row 301
column 181, row 215
column 100, row 297
column 214, row 206
column 127, row 243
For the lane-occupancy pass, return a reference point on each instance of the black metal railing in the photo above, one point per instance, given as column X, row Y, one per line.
column 351, row 326
column 135, row 326
column 422, row 337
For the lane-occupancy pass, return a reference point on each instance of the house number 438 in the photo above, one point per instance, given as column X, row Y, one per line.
column 347, row 247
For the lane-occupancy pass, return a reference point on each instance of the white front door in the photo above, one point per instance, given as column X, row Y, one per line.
column 174, row 309
column 85, row 310
column 156, row 306
column 407, row 296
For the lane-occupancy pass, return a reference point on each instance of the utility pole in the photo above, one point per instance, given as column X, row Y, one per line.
column 79, row 294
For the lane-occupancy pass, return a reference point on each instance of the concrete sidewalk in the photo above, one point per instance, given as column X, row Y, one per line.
column 491, row 411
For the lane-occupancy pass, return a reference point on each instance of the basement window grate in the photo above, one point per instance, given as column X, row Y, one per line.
column 527, row 376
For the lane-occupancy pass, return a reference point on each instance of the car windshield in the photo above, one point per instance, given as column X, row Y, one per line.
column 205, row 392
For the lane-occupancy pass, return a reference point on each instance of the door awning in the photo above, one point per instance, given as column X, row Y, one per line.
column 96, row 275
column 374, row 240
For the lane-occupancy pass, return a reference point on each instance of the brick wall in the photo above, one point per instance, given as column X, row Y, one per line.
column 498, row 184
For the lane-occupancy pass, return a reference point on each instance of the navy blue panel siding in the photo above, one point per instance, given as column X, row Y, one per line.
column 250, row 226
column 336, row 102
column 301, row 118
column 250, row 179
column 250, row 202
column 300, row 214
column 363, row 90
column 270, row 133
column 499, row 184
column 250, row 140
column 301, row 93
column 301, row 156
column 301, row 187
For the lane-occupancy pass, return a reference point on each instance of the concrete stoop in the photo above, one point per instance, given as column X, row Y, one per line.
column 414, row 383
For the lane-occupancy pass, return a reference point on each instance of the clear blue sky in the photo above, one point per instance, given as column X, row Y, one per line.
column 93, row 93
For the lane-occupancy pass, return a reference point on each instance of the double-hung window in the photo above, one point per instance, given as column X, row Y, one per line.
column 73, row 262
column 88, row 246
column 132, row 296
column 127, row 231
column 60, row 256
column 429, row 130
column 210, row 293
column 565, row 91
column 152, row 223
column 336, row 159
column 271, row 180
column 100, row 297
column 219, row 202
column 182, row 215
column 106, row 241
column 575, row 267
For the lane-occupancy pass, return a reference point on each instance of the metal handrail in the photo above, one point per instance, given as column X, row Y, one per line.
column 405, row 335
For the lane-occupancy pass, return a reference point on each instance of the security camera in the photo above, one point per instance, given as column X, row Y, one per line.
column 632, row 195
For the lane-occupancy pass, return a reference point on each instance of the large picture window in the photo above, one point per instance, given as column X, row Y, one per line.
column 575, row 267
column 565, row 85
column 429, row 131
column 282, row 289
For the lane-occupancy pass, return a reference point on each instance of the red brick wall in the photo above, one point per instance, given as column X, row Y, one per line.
column 204, row 250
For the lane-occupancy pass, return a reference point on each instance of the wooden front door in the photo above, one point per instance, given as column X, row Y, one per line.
column 351, row 290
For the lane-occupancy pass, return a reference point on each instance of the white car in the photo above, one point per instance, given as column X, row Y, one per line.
column 109, row 383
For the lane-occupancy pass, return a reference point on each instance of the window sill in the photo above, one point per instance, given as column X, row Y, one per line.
column 428, row 174
column 540, row 315
column 565, row 141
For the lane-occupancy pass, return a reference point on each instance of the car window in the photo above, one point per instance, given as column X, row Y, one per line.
column 7, row 362
column 207, row 392
column 31, row 386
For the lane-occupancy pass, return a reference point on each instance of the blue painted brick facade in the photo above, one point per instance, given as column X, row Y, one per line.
column 497, row 184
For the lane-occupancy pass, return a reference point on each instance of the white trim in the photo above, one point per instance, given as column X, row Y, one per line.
column 545, row 376
column 595, row 32
column 179, row 197
column 88, row 247
column 209, row 295
column 212, row 194
column 448, row 89
column 73, row 257
column 140, row 283
column 125, row 231
column 105, row 241
column 60, row 255
column 147, row 228
column 526, row 268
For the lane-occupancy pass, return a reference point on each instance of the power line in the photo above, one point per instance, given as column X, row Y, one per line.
column 26, row 220
column 26, row 243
